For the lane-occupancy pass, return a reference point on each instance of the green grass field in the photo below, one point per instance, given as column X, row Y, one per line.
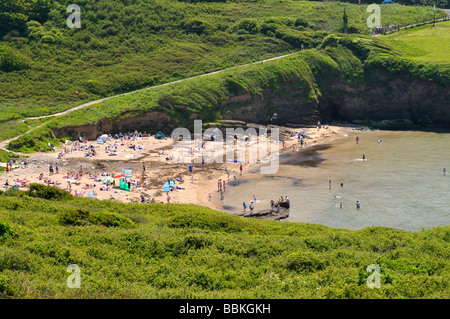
column 424, row 43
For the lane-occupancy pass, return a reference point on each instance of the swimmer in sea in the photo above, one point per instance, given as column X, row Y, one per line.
column 444, row 172
column 364, row 157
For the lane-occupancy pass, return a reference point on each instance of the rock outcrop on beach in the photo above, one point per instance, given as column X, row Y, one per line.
column 267, row 214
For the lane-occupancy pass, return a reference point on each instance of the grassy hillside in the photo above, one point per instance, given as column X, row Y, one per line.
column 184, row 251
column 423, row 44
column 340, row 58
column 46, row 67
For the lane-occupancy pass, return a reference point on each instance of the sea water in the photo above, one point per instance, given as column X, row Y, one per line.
column 400, row 184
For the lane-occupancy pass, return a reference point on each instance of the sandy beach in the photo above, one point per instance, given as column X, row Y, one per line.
column 198, row 187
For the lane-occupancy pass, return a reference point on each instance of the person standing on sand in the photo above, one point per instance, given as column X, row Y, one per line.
column 209, row 196
column 251, row 206
column 168, row 197
column 240, row 168
column 329, row 184
column 357, row 139
column 56, row 168
column 358, row 205
column 245, row 206
column 223, row 184
column 364, row 157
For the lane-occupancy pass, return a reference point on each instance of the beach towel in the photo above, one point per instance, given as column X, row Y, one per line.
column 92, row 194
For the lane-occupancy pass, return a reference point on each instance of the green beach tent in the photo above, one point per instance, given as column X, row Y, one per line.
column 124, row 185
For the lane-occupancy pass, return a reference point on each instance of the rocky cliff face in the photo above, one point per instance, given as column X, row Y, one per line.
column 287, row 105
column 386, row 98
column 153, row 120
column 398, row 97
column 377, row 97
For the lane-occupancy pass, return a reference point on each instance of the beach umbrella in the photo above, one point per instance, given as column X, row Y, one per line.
column 108, row 179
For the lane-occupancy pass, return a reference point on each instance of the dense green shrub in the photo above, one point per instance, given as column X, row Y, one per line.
column 46, row 192
column 306, row 262
column 331, row 40
column 187, row 251
column 12, row 60
column 80, row 217
column 5, row 229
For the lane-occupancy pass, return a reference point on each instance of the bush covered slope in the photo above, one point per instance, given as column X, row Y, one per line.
column 46, row 67
column 185, row 251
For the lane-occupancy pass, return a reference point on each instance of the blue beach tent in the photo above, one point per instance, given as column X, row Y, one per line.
column 166, row 187
column 389, row 2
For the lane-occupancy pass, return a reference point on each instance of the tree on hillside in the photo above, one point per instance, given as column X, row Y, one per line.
column 14, row 14
column 345, row 20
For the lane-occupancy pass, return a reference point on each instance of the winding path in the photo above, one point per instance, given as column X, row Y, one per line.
column 155, row 86
column 4, row 144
